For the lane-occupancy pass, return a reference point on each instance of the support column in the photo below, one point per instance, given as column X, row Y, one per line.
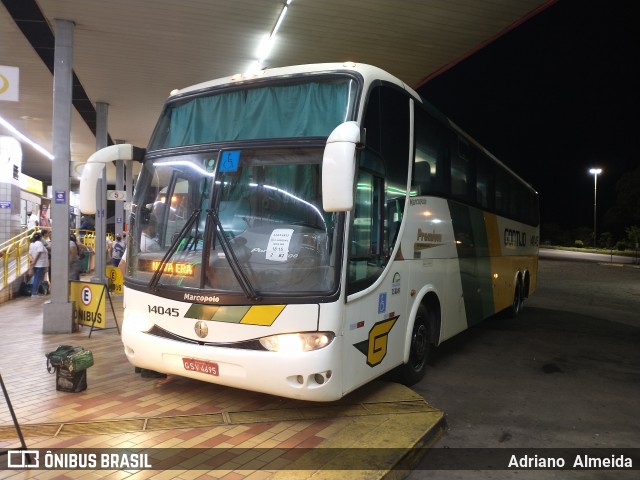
column 119, row 210
column 129, row 189
column 58, row 312
column 101, row 197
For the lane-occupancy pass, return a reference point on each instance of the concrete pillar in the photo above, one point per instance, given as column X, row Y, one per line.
column 58, row 312
column 119, row 210
column 129, row 188
column 101, row 197
column 119, row 207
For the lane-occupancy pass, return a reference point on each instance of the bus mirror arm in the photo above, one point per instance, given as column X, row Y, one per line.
column 339, row 167
column 93, row 170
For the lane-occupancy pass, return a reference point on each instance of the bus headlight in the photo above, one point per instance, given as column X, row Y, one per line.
column 297, row 342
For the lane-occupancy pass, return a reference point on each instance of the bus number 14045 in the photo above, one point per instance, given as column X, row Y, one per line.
column 158, row 310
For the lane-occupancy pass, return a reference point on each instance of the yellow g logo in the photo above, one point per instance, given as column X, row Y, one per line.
column 378, row 340
column 375, row 347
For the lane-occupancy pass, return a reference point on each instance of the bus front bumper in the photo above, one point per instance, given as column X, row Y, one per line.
column 311, row 375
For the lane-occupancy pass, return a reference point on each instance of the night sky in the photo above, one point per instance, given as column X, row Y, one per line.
column 555, row 96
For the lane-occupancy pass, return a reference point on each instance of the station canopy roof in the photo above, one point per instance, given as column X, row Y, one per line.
column 131, row 54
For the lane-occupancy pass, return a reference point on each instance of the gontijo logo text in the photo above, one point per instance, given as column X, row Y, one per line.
column 518, row 238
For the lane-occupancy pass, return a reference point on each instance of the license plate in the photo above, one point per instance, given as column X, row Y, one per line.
column 202, row 366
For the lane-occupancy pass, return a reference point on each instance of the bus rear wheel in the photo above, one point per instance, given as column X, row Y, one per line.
column 518, row 300
column 420, row 350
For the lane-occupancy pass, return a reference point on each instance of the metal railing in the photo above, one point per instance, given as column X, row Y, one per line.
column 14, row 258
column 14, row 254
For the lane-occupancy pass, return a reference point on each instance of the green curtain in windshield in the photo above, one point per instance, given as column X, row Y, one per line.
column 298, row 110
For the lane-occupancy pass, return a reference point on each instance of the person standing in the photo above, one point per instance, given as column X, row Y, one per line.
column 117, row 250
column 86, row 227
column 32, row 220
column 46, row 241
column 75, row 258
column 39, row 257
column 109, row 250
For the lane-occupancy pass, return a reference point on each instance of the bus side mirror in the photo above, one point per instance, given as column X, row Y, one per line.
column 339, row 167
column 94, row 167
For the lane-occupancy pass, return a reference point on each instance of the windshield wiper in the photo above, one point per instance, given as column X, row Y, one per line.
column 153, row 283
column 230, row 255
column 177, row 242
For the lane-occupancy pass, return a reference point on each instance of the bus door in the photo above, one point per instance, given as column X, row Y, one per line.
column 377, row 284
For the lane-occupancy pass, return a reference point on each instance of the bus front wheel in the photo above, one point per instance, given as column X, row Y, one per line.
column 414, row 370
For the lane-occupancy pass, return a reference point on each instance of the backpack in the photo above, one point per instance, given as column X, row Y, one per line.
column 81, row 251
column 25, row 288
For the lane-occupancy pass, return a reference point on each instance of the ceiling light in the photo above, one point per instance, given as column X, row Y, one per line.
column 267, row 43
column 25, row 139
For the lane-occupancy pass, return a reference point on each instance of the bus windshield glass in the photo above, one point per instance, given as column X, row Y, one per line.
column 308, row 107
column 252, row 225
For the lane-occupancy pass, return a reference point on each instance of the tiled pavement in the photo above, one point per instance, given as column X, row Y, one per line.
column 121, row 410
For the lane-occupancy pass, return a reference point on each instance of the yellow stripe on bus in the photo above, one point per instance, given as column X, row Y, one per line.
column 263, row 315
column 493, row 235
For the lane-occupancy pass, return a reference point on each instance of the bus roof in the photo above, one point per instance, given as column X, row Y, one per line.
column 368, row 72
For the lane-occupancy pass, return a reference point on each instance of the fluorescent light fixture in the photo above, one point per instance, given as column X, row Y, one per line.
column 267, row 43
column 25, row 139
column 265, row 48
column 280, row 19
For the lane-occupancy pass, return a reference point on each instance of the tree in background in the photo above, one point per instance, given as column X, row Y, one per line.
column 633, row 236
column 626, row 211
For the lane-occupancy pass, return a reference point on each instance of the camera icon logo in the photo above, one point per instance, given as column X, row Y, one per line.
column 21, row 459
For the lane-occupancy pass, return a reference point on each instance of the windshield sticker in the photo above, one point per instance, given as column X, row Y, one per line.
column 230, row 161
column 278, row 247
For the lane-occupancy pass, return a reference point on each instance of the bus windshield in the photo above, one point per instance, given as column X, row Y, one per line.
column 308, row 107
column 255, row 228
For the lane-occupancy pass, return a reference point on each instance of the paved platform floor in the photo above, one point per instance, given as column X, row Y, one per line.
column 276, row 437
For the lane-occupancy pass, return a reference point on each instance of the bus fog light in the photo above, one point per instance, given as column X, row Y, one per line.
column 297, row 342
column 318, row 378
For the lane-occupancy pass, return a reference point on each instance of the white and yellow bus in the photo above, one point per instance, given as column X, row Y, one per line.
column 305, row 230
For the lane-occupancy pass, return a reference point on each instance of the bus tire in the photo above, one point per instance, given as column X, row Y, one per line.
column 518, row 300
column 419, row 352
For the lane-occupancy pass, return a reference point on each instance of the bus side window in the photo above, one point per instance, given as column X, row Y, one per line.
column 485, row 181
column 460, row 170
column 422, row 177
column 430, row 171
